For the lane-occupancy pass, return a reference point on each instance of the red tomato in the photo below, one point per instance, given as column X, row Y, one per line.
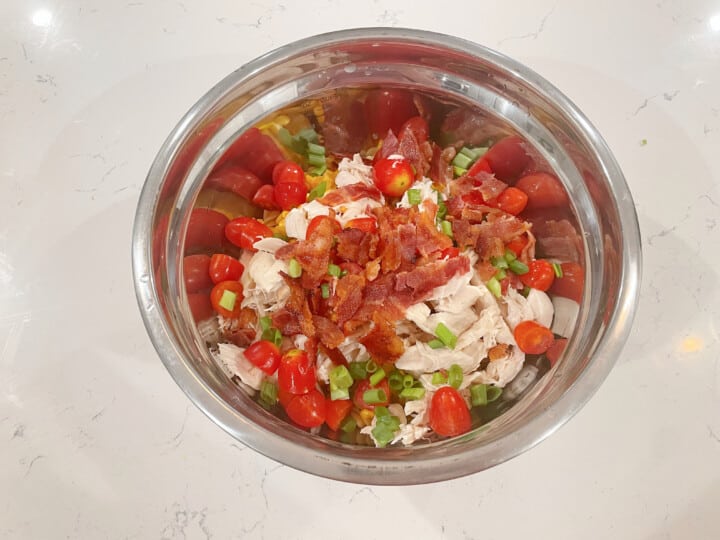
column 254, row 151
column 450, row 253
column 481, row 165
column 289, row 195
column 418, row 127
column 288, row 171
column 365, row 385
column 224, row 268
column 571, row 284
column 236, row 180
column 217, row 293
column 555, row 351
column 265, row 197
column 474, row 197
column 284, row 397
column 296, row 373
column 533, row 338
column 314, row 222
column 200, row 306
column 365, row 224
column 516, row 245
column 449, row 414
column 195, row 273
column 307, row 410
column 393, row 176
column 540, row 276
column 336, row 411
column 245, row 231
column 543, row 191
column 205, row 230
column 264, row 354
column 507, row 158
column 388, row 109
column 512, row 200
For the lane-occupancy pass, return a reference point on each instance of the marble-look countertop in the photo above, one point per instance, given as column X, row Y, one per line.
column 97, row 441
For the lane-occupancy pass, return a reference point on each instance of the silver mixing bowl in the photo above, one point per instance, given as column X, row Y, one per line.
column 418, row 60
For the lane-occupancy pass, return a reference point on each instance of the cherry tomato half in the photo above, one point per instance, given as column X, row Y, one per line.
column 236, row 180
column 507, row 158
column 449, row 414
column 393, row 176
column 296, row 374
column 418, row 127
column 288, row 171
column 365, row 224
column 533, row 338
column 195, row 273
column 481, row 165
column 224, row 268
column 363, row 386
column 254, row 151
column 265, row 197
column 265, row 355
column 245, row 231
column 517, row 244
column 543, row 191
column 205, row 230
column 570, row 285
column 540, row 275
column 289, row 195
column 217, row 294
column 555, row 351
column 388, row 109
column 200, row 306
column 307, row 410
column 512, row 200
column 336, row 411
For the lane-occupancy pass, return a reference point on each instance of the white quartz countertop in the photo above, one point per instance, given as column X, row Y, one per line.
column 97, row 441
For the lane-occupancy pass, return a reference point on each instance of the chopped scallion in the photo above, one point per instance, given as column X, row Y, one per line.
column 318, row 171
column 442, row 209
column 518, row 267
column 525, row 291
column 294, row 268
column 500, row 275
column 325, row 290
column 227, row 300
column 357, row 370
column 446, row 228
column 499, row 262
column 455, row 376
column 469, row 153
column 265, row 323
column 408, row 381
column 374, row 395
column 558, row 270
column 413, row 196
column 439, row 378
column 510, row 255
column 316, row 149
column 348, row 425
column 493, row 392
column 376, row 377
column 339, row 393
column 316, row 160
column 435, row 344
column 371, row 366
column 273, row 335
column 395, row 381
column 318, row 191
column 385, row 426
column 478, row 395
column 446, row 336
column 459, row 171
column 268, row 392
column 334, row 270
column 461, row 160
column 412, row 393
column 340, row 377
column 493, row 286
column 308, row 134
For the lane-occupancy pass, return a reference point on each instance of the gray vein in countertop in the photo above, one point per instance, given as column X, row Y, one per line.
column 363, row 490
column 712, row 434
column 177, row 439
column 669, row 96
column 32, row 462
column 102, row 411
column 533, row 35
column 19, row 432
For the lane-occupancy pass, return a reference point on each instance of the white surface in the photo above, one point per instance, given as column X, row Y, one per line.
column 97, row 441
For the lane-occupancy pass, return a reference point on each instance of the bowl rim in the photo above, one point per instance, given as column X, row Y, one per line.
column 381, row 472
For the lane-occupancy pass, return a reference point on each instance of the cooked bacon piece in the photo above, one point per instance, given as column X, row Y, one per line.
column 356, row 246
column 429, row 238
column 441, row 171
column 418, row 153
column 494, row 233
column 485, row 270
column 344, row 129
column 455, row 206
column 242, row 331
column 347, row 298
column 408, row 237
column 349, row 193
column 310, row 347
column 490, row 187
column 389, row 146
column 313, row 254
column 389, row 247
column 379, row 290
column 528, row 252
column 335, row 356
column 382, row 342
column 286, row 321
column 414, row 286
column 558, row 239
column 242, row 337
column 465, row 233
column 328, row 332
column 295, row 316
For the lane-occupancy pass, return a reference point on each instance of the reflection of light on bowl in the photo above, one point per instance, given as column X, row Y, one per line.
column 714, row 22
column 42, row 18
column 691, row 344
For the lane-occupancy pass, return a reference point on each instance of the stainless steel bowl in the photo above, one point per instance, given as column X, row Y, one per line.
column 423, row 61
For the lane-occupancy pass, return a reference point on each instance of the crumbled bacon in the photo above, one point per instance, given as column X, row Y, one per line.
column 429, row 239
column 382, row 342
column 344, row 129
column 350, row 193
column 418, row 153
column 313, row 254
column 441, row 171
column 347, row 298
column 295, row 316
column 558, row 239
column 490, row 187
column 415, row 285
column 356, row 246
column 328, row 332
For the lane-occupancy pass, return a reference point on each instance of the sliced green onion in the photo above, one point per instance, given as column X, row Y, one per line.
column 339, row 393
column 325, row 290
column 357, row 370
column 442, row 209
column 382, row 412
column 308, row 135
column 316, row 160
column 268, row 392
column 518, row 267
column 500, row 275
column 461, row 160
column 446, row 336
column 227, row 300
column 493, row 286
column 294, row 268
column 493, row 392
column 455, row 376
column 348, row 425
column 412, row 393
column 469, row 153
column 314, row 148
column 265, row 323
column 499, row 262
column 385, row 426
column 413, row 196
column 439, row 378
column 376, row 377
column 558, row 270
column 318, row 171
column 395, row 381
column 374, row 395
column 510, row 255
column 525, row 291
column 285, row 138
column 334, row 270
column 478, row 395
column 371, row 366
column 273, row 335
column 318, row 191
column 435, row 344
column 446, row 228
column 340, row 377
column 459, row 171
column 408, row 381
